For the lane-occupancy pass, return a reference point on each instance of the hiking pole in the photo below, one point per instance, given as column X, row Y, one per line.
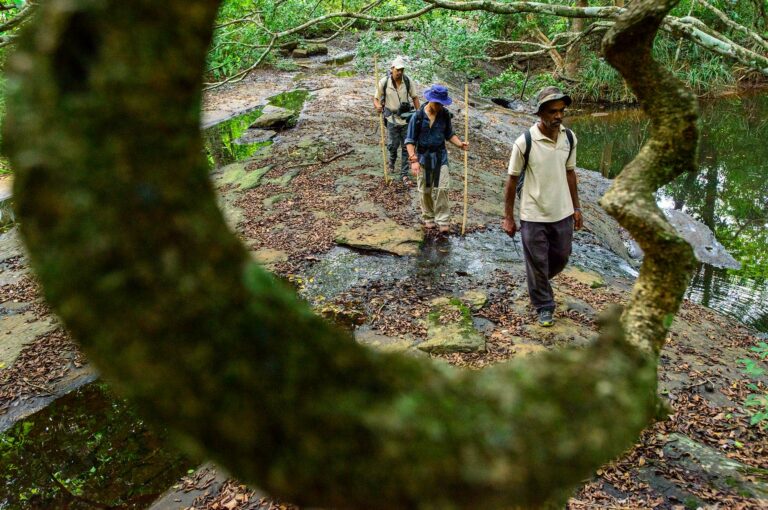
column 381, row 122
column 466, row 155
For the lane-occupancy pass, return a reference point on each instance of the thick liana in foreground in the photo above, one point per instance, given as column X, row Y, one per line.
column 670, row 151
column 122, row 228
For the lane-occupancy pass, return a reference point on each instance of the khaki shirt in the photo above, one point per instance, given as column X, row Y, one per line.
column 545, row 196
column 394, row 97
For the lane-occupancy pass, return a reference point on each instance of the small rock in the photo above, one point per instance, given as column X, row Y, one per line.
column 475, row 299
column 271, row 201
column 450, row 329
column 564, row 332
column 255, row 136
column 274, row 117
column 268, row 257
column 384, row 235
column 372, row 338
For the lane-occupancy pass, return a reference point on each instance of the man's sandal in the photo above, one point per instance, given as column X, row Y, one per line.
column 445, row 229
column 407, row 182
column 430, row 224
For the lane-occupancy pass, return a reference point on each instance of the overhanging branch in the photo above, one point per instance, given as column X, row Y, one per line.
column 138, row 261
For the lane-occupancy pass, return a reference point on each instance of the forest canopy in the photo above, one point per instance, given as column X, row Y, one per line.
column 710, row 45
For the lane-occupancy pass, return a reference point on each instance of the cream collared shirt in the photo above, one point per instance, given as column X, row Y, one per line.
column 545, row 196
column 393, row 97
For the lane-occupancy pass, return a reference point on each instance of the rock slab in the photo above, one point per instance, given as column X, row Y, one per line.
column 450, row 329
column 384, row 235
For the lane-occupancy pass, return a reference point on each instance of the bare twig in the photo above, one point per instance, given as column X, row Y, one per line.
column 242, row 74
column 322, row 161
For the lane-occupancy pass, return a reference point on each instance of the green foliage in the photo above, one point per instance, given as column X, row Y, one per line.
column 510, row 84
column 5, row 168
column 383, row 49
column 447, row 45
column 761, row 349
column 286, row 64
column 85, row 445
column 598, row 81
column 758, row 401
column 751, row 367
column 441, row 47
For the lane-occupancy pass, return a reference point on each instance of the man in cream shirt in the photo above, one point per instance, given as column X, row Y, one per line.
column 393, row 92
column 549, row 198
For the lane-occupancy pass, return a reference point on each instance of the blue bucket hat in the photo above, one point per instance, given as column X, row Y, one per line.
column 438, row 94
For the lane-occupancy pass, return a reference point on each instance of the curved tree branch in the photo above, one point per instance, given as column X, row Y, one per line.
column 669, row 152
column 121, row 223
column 571, row 38
column 688, row 28
column 19, row 18
column 735, row 26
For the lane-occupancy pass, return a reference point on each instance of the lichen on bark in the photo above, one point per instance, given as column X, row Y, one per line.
column 120, row 220
column 670, row 151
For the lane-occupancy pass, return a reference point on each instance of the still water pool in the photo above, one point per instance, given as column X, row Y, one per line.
column 729, row 194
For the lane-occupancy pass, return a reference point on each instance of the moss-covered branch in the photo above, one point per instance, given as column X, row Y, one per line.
column 670, row 151
column 119, row 217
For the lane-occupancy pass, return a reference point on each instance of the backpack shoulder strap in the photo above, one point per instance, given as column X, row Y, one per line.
column 569, row 135
column 417, row 118
column 407, row 85
column 383, row 89
column 526, row 155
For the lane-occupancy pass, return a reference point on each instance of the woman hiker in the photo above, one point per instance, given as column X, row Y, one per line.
column 428, row 130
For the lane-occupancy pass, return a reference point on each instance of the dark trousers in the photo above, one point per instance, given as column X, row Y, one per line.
column 547, row 247
column 395, row 139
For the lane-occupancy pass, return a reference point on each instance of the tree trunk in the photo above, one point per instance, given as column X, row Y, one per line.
column 573, row 55
column 120, row 220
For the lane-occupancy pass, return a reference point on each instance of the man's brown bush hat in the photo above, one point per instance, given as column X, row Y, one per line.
column 551, row 93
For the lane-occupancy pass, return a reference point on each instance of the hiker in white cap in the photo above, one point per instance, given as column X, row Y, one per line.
column 397, row 100
column 542, row 175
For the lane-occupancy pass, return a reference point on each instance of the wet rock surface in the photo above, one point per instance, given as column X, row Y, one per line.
column 706, row 248
column 385, row 235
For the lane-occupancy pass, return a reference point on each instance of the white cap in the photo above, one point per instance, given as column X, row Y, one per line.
column 398, row 63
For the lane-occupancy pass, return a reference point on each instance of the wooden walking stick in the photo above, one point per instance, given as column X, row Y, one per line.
column 466, row 156
column 381, row 122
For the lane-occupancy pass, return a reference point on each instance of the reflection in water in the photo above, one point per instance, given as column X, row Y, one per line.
column 729, row 194
column 86, row 450
column 222, row 145
column 228, row 142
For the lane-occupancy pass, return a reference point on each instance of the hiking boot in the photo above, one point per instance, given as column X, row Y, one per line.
column 545, row 318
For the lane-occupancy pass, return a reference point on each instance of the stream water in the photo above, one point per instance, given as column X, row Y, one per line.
column 86, row 450
column 229, row 141
column 729, row 194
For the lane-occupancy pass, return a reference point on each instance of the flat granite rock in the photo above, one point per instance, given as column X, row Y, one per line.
column 269, row 257
column 589, row 278
column 273, row 117
column 383, row 343
column 384, row 235
column 450, row 329
column 564, row 333
column 21, row 330
column 718, row 470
